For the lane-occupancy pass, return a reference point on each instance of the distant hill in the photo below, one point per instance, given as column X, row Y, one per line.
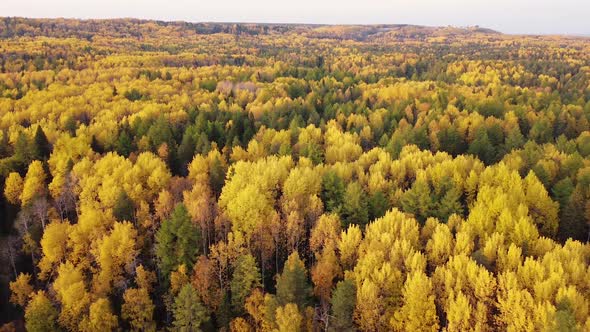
column 368, row 32
column 129, row 27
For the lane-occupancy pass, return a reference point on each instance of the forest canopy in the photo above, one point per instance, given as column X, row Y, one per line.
column 278, row 177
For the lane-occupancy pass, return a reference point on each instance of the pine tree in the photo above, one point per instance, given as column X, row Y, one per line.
column 23, row 149
column 292, row 285
column 160, row 132
column 378, row 205
column 418, row 201
column 202, row 145
column 189, row 312
column 482, row 147
column 343, row 304
column 41, row 147
column 186, row 149
column 177, row 241
column 561, row 192
column 124, row 209
column 355, row 209
column 124, row 144
column 332, row 193
column 566, row 320
column 573, row 221
column 216, row 176
column 451, row 141
column 245, row 278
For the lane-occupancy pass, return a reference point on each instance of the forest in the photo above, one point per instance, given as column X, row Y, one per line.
column 173, row 176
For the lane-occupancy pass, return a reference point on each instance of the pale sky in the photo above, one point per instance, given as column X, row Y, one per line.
column 509, row 16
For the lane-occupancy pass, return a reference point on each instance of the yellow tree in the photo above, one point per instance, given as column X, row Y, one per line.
column 301, row 203
column 369, row 308
column 40, row 315
column 325, row 233
column 138, row 309
column 71, row 291
column 440, row 245
column 34, row 184
column 385, row 255
column 418, row 312
column 348, row 244
column 178, row 278
column 54, row 246
column 144, row 278
column 115, row 253
column 459, row 313
column 463, row 274
column 21, row 289
column 164, row 205
column 240, row 325
column 289, row 319
column 199, row 204
column 323, row 242
column 516, row 305
column 93, row 224
column 256, row 309
column 100, row 318
column 13, row 188
column 248, row 196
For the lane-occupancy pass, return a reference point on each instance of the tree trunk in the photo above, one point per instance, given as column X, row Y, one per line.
column 11, row 258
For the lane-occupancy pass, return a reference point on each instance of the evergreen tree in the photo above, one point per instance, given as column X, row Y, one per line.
column 186, row 149
column 71, row 126
column 23, row 150
column 561, row 192
column 124, row 209
column 177, row 241
column 41, row 147
column 451, row 141
column 124, row 144
column 378, row 205
column 161, row 132
column 418, row 201
column 292, row 285
column 514, row 140
column 482, row 147
column 189, row 312
column 202, row 146
column 313, row 152
column 332, row 193
column 448, row 204
column 223, row 314
column 343, row 304
column 245, row 278
column 355, row 208
column 573, row 222
column 566, row 320
column 96, row 145
column 216, row 176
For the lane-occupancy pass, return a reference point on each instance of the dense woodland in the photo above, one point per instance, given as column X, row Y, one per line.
column 243, row 177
